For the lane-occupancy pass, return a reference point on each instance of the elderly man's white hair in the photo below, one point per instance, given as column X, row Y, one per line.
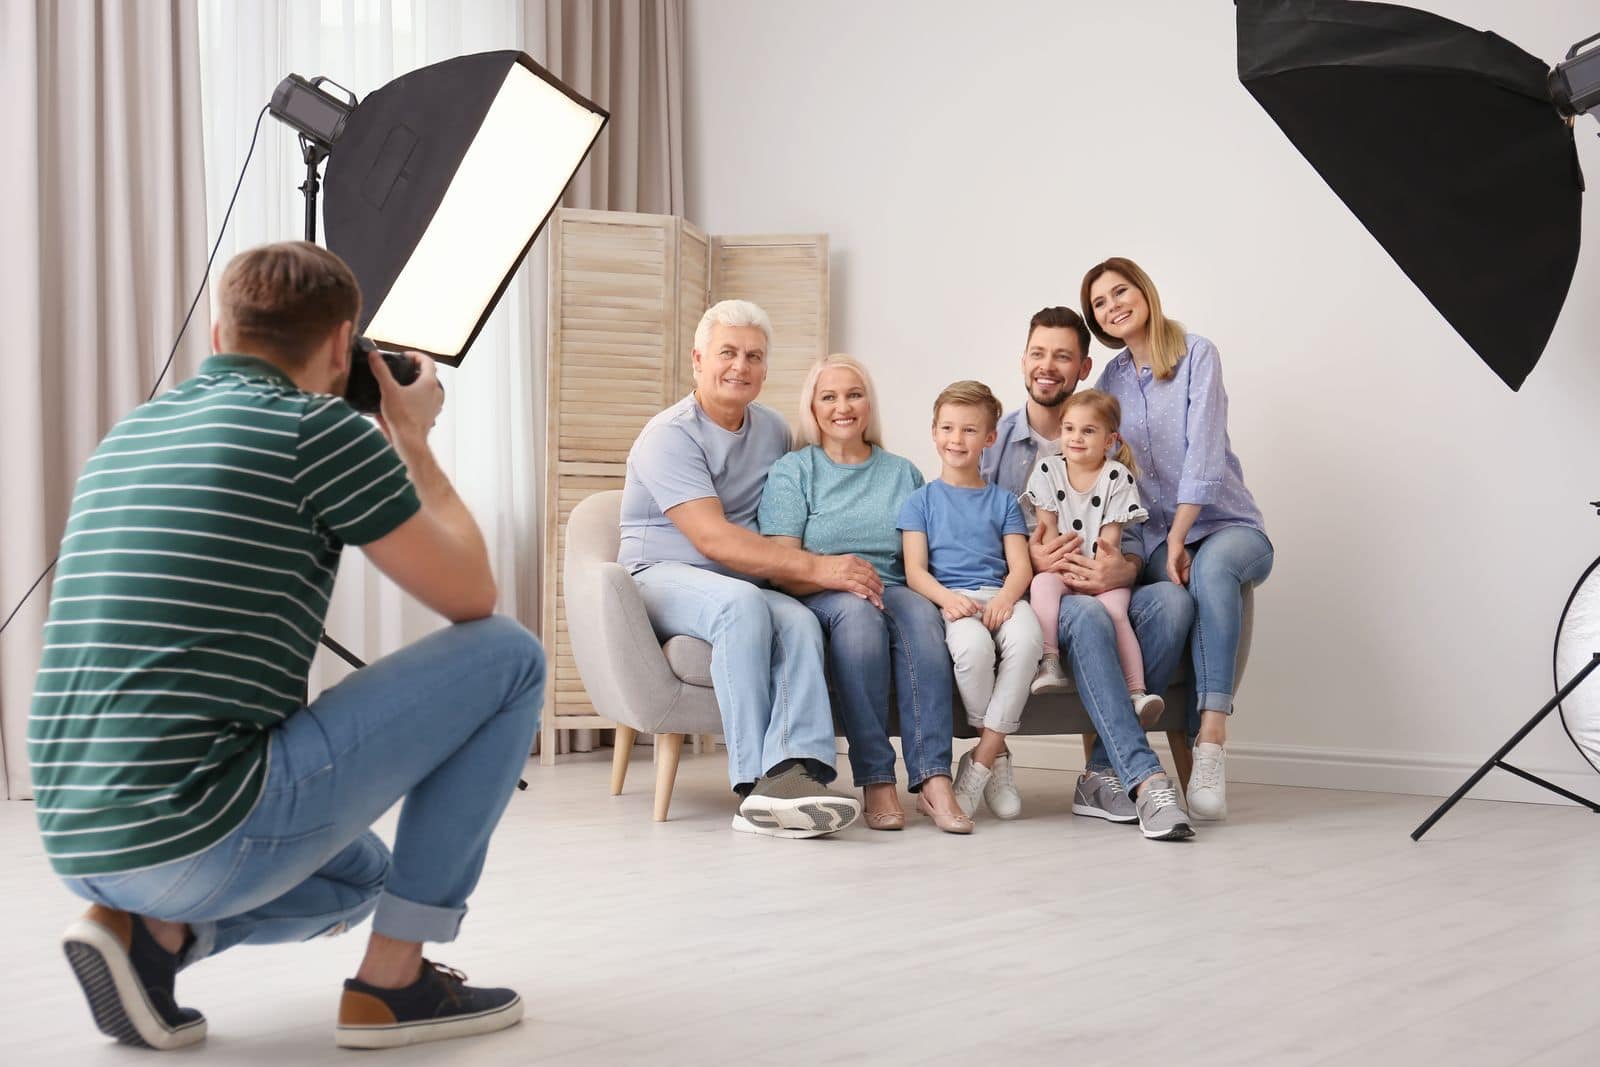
column 731, row 313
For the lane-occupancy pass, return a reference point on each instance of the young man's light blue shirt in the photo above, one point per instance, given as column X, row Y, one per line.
column 966, row 531
column 838, row 508
column 682, row 455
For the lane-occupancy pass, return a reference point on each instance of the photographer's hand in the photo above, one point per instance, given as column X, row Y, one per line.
column 407, row 411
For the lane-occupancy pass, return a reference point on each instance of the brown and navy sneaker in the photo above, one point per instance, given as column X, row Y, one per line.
column 128, row 980
column 438, row 1005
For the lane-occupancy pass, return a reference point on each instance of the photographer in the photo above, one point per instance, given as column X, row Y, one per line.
column 184, row 786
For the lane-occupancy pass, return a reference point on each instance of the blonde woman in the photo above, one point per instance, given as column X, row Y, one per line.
column 1204, row 531
column 841, row 492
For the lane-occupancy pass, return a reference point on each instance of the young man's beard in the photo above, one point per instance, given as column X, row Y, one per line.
column 1061, row 397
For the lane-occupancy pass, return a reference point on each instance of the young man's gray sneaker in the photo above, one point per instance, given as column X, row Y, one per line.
column 794, row 803
column 1100, row 795
column 1161, row 817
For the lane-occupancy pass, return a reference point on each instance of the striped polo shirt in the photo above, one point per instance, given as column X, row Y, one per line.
column 194, row 579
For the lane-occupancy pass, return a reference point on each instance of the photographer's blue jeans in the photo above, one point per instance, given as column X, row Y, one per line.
column 1221, row 565
column 865, row 646
column 446, row 723
column 1162, row 615
column 766, row 664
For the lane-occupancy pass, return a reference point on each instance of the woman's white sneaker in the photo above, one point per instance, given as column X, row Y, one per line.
column 1208, row 783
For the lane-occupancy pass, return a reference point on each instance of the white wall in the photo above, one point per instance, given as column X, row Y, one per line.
column 970, row 161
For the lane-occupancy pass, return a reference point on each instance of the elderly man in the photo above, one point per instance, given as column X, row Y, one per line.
column 1054, row 360
column 690, row 538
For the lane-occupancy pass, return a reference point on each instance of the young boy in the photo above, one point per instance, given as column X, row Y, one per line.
column 966, row 549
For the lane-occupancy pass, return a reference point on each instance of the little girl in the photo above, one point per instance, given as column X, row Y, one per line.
column 1082, row 491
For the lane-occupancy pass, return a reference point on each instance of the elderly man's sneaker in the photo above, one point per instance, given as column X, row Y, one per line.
column 1100, row 795
column 1000, row 792
column 438, row 1005
column 793, row 803
column 1161, row 817
column 1208, row 783
column 972, row 778
column 1051, row 678
column 128, row 980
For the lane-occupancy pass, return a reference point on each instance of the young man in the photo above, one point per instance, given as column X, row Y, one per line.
column 1054, row 360
column 690, row 538
column 184, row 786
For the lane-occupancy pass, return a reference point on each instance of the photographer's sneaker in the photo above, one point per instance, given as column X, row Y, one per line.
column 1208, row 783
column 437, row 1006
column 1000, row 792
column 1148, row 706
column 1100, row 795
column 1051, row 678
column 793, row 803
column 128, row 981
column 972, row 778
column 1161, row 817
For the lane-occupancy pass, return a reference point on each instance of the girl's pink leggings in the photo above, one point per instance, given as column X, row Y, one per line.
column 1045, row 595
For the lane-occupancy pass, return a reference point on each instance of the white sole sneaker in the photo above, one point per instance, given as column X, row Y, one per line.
column 1149, row 708
column 399, row 1035
column 116, row 996
column 1079, row 808
column 800, row 817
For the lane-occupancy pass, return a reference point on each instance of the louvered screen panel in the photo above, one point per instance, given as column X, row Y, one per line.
column 566, row 690
column 788, row 276
column 694, row 296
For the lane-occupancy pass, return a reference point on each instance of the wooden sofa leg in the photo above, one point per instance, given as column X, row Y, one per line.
column 619, row 758
column 1182, row 758
column 1088, row 746
column 668, row 748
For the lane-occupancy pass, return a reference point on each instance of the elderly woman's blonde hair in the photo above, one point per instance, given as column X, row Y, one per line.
column 810, row 433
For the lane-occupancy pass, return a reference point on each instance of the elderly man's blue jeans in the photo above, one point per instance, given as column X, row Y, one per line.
column 446, row 723
column 865, row 648
column 766, row 664
column 1161, row 615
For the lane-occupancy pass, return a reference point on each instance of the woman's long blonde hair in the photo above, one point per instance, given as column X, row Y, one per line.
column 1167, row 344
column 810, row 433
column 1108, row 408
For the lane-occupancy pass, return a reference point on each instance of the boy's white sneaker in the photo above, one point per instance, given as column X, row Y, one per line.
column 971, row 779
column 1208, row 783
column 1051, row 678
column 1001, row 792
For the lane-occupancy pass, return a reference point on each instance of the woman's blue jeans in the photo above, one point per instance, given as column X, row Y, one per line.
column 447, row 723
column 1221, row 565
column 866, row 647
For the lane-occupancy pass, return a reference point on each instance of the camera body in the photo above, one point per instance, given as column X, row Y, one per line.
column 361, row 392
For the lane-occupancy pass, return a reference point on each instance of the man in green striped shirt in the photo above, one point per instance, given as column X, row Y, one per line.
column 184, row 786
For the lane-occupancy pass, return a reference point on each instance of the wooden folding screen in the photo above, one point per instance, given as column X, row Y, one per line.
column 626, row 292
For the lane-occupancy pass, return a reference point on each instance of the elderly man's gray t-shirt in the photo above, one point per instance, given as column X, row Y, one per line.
column 682, row 455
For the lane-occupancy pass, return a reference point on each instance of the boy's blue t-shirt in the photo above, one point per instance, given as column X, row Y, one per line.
column 966, row 530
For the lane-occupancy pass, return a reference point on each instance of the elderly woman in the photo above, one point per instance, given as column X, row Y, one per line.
column 1204, row 531
column 841, row 493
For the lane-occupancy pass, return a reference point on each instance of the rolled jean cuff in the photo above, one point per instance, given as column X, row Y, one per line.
column 864, row 780
column 406, row 920
column 1222, row 702
column 936, row 772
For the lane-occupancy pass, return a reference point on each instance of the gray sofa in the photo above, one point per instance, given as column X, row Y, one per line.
column 647, row 686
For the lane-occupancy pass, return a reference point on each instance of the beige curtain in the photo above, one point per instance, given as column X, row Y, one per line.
column 627, row 57
column 103, row 244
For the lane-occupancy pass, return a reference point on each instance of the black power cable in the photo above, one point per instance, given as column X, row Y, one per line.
column 204, row 281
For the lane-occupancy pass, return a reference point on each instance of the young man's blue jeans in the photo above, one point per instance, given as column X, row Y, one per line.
column 1161, row 615
column 866, row 646
column 446, row 723
column 766, row 664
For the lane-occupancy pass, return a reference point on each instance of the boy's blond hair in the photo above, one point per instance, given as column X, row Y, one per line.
column 972, row 394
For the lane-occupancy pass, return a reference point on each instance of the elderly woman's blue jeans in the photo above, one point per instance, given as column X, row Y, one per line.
column 1221, row 565
column 866, row 647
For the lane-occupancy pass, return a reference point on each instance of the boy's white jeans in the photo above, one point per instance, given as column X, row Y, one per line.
column 994, row 696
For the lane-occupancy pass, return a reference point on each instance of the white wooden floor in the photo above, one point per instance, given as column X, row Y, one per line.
column 1309, row 929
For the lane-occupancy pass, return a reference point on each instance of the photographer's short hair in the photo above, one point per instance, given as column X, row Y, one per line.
column 1060, row 318
column 281, row 300
column 972, row 394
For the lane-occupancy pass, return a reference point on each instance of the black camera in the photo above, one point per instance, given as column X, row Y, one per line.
column 361, row 392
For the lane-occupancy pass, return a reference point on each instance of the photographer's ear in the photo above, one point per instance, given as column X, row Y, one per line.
column 341, row 348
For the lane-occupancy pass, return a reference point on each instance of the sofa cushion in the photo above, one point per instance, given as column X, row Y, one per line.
column 690, row 659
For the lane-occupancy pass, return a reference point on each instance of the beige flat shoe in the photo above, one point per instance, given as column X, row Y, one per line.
column 951, row 822
column 884, row 820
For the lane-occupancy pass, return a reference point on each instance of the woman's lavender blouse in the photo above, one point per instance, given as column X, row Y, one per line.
column 1178, row 430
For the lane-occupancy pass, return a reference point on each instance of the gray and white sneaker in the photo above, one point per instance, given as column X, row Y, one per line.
column 793, row 803
column 1208, row 783
column 1051, row 676
column 972, row 779
column 1161, row 817
column 1100, row 795
column 1001, row 791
